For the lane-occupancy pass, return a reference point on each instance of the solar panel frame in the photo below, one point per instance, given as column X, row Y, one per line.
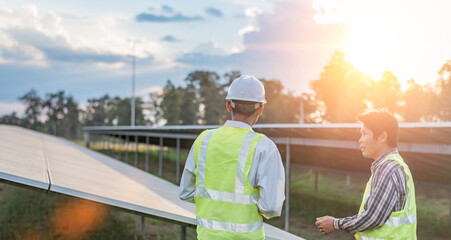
column 76, row 171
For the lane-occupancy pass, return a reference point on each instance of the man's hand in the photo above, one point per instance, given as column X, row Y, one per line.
column 325, row 224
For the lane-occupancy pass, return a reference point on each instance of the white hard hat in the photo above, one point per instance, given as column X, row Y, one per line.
column 246, row 88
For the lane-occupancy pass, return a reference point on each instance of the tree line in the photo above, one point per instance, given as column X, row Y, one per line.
column 340, row 92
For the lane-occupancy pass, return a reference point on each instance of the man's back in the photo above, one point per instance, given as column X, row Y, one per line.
column 238, row 176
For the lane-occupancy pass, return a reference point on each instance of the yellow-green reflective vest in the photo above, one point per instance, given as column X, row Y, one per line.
column 401, row 225
column 226, row 203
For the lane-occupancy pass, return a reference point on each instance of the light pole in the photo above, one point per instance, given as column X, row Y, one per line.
column 132, row 120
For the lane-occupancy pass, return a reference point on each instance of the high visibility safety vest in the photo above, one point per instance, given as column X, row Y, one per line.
column 226, row 203
column 401, row 225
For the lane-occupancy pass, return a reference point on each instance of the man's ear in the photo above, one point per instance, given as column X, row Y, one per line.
column 228, row 106
column 383, row 137
column 260, row 109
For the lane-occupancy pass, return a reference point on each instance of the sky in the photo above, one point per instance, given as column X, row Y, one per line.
column 86, row 47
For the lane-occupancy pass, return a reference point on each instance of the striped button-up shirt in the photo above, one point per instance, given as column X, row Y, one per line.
column 388, row 194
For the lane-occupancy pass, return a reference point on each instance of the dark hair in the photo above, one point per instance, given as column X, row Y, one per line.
column 245, row 108
column 379, row 121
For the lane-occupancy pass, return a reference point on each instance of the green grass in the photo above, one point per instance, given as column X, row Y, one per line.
column 25, row 211
column 334, row 198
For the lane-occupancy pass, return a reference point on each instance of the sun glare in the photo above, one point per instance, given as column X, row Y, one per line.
column 369, row 50
column 404, row 37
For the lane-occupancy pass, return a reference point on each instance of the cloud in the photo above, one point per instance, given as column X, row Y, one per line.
column 146, row 91
column 209, row 53
column 252, row 13
column 27, row 37
column 10, row 107
column 210, row 48
column 149, row 17
column 286, row 44
column 166, row 8
column 59, row 48
column 169, row 38
column 214, row 12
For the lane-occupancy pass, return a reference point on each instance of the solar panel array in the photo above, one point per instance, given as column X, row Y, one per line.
column 426, row 147
column 46, row 162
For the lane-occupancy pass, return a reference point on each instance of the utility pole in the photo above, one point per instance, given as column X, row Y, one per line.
column 132, row 120
column 301, row 110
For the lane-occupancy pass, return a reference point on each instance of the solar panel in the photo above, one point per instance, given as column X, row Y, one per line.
column 22, row 159
column 33, row 158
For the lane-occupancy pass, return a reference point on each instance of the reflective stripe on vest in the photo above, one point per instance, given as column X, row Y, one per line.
column 226, row 196
column 368, row 238
column 398, row 221
column 203, row 157
column 231, row 227
column 237, row 196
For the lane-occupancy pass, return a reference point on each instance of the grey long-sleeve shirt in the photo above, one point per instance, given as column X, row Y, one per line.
column 266, row 173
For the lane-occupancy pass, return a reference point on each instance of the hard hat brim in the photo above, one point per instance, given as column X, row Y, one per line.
column 246, row 99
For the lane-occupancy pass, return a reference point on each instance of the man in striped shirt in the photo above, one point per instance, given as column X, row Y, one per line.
column 388, row 192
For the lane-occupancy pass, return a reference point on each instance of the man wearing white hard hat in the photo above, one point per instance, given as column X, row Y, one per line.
column 233, row 174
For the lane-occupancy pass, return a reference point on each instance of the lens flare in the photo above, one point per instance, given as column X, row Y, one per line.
column 76, row 218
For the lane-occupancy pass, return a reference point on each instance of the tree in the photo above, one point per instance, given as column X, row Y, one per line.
column 418, row 102
column 62, row 114
column 121, row 112
column 71, row 118
column 171, row 104
column 311, row 109
column 444, row 92
column 189, row 112
column 33, row 109
column 386, row 93
column 154, row 108
column 98, row 111
column 12, row 119
column 230, row 76
column 341, row 89
column 54, row 106
column 211, row 95
column 281, row 107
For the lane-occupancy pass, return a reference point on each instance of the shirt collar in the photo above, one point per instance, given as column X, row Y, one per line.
column 237, row 124
column 381, row 158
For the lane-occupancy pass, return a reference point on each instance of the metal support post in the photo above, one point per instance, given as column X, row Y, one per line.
column 101, row 143
column 146, row 166
column 287, row 186
column 316, row 182
column 160, row 158
column 143, row 227
column 120, row 147
column 126, row 148
column 348, row 179
column 136, row 151
column 177, row 169
column 108, row 145
column 112, row 152
column 183, row 233
column 86, row 138
column 111, row 146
